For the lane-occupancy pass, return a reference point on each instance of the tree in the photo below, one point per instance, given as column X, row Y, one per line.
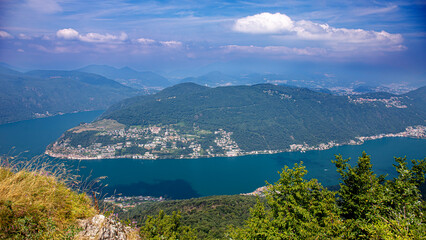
column 359, row 187
column 166, row 227
column 373, row 208
column 297, row 209
column 365, row 207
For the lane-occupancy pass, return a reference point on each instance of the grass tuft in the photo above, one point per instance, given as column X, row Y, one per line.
column 36, row 202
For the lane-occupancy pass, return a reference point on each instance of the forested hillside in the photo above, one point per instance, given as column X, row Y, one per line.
column 46, row 93
column 272, row 117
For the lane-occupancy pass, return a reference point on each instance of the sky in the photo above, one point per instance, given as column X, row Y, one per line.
column 355, row 40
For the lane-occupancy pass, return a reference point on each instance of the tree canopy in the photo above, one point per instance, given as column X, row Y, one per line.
column 366, row 206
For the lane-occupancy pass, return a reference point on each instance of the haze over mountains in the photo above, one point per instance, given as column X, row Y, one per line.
column 129, row 77
column 34, row 93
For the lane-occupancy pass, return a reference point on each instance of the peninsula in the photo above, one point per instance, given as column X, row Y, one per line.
column 192, row 121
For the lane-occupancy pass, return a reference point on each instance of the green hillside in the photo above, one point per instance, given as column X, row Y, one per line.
column 273, row 117
column 210, row 217
column 45, row 93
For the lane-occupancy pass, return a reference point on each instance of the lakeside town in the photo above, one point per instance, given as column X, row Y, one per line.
column 112, row 140
column 412, row 132
column 388, row 102
column 126, row 202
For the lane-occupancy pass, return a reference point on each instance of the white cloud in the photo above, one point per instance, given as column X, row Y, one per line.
column 102, row 38
column 24, row 37
column 267, row 23
column 44, row 6
column 264, row 23
column 275, row 50
column 70, row 34
column 67, row 33
column 145, row 41
column 314, row 31
column 171, row 44
column 4, row 35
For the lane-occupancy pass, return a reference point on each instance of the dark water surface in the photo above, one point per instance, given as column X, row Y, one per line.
column 186, row 178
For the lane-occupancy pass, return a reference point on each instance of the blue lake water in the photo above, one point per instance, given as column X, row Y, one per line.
column 186, row 178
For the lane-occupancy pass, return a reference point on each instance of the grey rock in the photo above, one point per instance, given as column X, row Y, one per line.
column 104, row 228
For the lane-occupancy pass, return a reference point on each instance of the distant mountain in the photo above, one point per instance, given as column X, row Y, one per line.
column 18, row 69
column 417, row 100
column 213, row 79
column 44, row 93
column 203, row 121
column 129, row 76
column 8, row 71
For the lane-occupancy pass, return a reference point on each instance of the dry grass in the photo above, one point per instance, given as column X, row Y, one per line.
column 36, row 202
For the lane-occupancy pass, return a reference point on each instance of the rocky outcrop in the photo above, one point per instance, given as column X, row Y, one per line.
column 105, row 228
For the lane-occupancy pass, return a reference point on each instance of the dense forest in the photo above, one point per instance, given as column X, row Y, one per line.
column 272, row 117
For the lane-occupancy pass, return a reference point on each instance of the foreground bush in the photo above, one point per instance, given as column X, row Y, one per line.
column 37, row 205
column 366, row 206
column 166, row 227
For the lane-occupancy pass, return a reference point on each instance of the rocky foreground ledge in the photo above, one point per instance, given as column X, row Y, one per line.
column 100, row 227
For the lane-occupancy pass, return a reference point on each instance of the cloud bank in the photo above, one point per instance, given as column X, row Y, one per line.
column 275, row 50
column 281, row 24
column 72, row 34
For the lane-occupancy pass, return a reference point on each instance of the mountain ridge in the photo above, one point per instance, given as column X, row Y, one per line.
column 189, row 120
column 129, row 76
column 43, row 93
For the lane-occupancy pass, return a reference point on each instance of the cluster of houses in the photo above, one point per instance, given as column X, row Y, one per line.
column 131, row 202
column 389, row 102
column 149, row 142
column 412, row 131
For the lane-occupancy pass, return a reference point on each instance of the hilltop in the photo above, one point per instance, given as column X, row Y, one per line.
column 189, row 121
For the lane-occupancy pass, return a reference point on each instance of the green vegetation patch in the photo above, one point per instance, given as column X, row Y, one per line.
column 366, row 207
column 208, row 216
column 36, row 205
column 269, row 117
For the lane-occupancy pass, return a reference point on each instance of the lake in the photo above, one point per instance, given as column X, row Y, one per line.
column 186, row 178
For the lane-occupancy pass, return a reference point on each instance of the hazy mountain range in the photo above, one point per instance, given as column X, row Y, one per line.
column 42, row 93
column 128, row 76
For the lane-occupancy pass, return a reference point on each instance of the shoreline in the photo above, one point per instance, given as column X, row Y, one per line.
column 416, row 132
column 52, row 115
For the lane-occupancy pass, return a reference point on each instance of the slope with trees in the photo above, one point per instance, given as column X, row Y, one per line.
column 45, row 93
column 271, row 117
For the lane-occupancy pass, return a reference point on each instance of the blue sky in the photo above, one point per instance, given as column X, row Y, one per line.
column 380, row 39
